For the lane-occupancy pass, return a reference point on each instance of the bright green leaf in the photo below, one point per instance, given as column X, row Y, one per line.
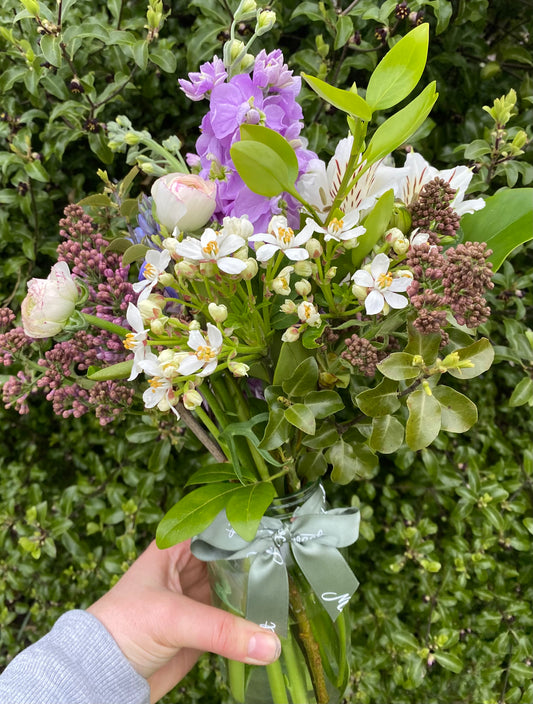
column 424, row 422
column 458, row 412
column 303, row 379
column 399, row 366
column 344, row 100
column 246, row 508
column 399, row 70
column 301, row 417
column 376, row 224
column 121, row 370
column 382, row 400
column 323, row 403
column 480, row 353
column 387, row 434
column 350, row 461
column 449, row 661
column 522, row 393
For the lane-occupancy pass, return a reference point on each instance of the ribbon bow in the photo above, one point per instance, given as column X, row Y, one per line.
column 310, row 538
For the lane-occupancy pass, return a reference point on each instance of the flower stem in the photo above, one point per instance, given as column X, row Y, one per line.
column 309, row 643
column 105, row 325
column 277, row 683
column 295, row 681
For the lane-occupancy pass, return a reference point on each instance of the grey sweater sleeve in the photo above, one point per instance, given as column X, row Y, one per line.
column 77, row 662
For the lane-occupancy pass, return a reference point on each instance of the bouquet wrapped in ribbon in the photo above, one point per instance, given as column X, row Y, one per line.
column 300, row 318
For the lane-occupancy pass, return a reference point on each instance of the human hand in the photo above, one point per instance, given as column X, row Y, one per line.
column 159, row 614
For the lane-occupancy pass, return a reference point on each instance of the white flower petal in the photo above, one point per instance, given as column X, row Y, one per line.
column 374, row 302
column 394, row 299
column 214, row 336
column 195, row 339
column 134, row 318
column 296, row 255
column 231, row 265
column 209, row 368
column 363, row 278
column 402, row 283
column 190, row 365
column 380, row 265
column 266, row 252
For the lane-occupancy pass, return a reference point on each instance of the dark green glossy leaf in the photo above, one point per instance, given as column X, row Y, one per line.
column 399, row 366
column 458, row 413
column 323, row 403
column 376, row 224
column 303, row 379
column 382, row 400
column 449, row 661
column 423, row 424
column 387, row 434
column 522, row 393
column 350, row 461
column 246, row 508
column 301, row 417
column 312, row 465
column 277, row 432
column 290, row 356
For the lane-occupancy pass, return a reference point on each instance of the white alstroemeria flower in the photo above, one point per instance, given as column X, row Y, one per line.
column 205, row 356
column 338, row 229
column 384, row 288
column 160, row 392
column 308, row 313
column 419, row 172
column 281, row 237
column 155, row 264
column 136, row 341
column 320, row 184
column 214, row 247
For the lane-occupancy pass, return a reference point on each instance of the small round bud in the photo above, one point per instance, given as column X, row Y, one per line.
column 303, row 287
column 288, row 307
column 252, row 267
column 185, row 269
column 238, row 369
column 360, row 292
column 265, row 21
column 331, row 273
column 314, row 248
column 304, row 268
column 192, row 399
column 219, row 313
column 291, row 334
column 194, row 325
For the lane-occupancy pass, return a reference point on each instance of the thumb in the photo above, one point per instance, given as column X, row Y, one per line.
column 203, row 627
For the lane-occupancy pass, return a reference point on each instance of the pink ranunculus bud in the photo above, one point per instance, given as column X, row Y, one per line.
column 184, row 201
column 49, row 303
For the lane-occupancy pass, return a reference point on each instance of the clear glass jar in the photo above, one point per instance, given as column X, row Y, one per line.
column 313, row 667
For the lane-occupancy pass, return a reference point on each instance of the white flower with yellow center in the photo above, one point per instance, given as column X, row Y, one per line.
column 155, row 264
column 160, row 392
column 281, row 237
column 137, row 341
column 382, row 287
column 339, row 229
column 308, row 313
column 206, row 351
column 214, row 247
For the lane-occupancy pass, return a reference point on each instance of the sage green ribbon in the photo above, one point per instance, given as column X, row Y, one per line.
column 310, row 538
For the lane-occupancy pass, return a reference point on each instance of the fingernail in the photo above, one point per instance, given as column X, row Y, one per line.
column 264, row 648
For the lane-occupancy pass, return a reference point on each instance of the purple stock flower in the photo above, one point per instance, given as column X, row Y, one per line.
column 267, row 98
column 209, row 76
column 147, row 226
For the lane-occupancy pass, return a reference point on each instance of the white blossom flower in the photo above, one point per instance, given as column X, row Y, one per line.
column 160, row 392
column 214, row 247
column 205, row 355
column 49, row 302
column 418, row 172
column 281, row 237
column 382, row 287
column 155, row 264
column 308, row 313
column 136, row 341
column 238, row 226
column 338, row 229
column 282, row 283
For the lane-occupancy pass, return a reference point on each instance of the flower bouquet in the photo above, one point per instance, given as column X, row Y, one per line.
column 298, row 318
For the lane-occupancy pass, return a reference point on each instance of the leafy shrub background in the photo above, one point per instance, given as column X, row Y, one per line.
column 444, row 612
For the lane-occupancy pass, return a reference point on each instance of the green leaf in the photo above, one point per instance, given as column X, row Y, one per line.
column 192, row 514
column 121, row 370
column 312, row 465
column 344, row 100
column 449, row 661
column 387, row 435
column 36, row 170
column 522, row 393
column 323, row 403
column 278, row 430
column 350, row 461
column 51, row 49
column 119, row 244
column 303, row 379
column 135, row 253
column 343, row 31
column 375, row 223
column 265, row 161
column 505, row 222
column 140, row 434
column 213, row 473
column 427, row 346
column 397, row 129
column 399, row 70
column 399, row 366
column 382, row 400
column 165, row 59
column 159, row 456
column 458, row 412
column 140, row 53
column 98, row 200
column 246, row 508
column 290, row 356
column 480, row 353
column 301, row 417
column 326, row 435
column 424, row 420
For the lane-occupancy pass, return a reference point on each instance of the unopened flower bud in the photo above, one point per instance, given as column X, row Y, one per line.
column 246, row 63
column 219, row 313
column 192, row 399
column 167, row 280
column 265, row 21
column 288, row 307
column 291, row 334
column 241, row 254
column 234, row 49
column 393, row 234
column 246, row 10
column 251, row 270
column 151, row 307
column 520, row 139
column 157, row 325
column 314, row 248
column 194, row 325
column 186, row 269
column 401, row 218
column 303, row 287
column 132, row 138
column 331, row 273
column 401, row 246
column 360, row 292
column 305, row 268
column 208, row 269
column 169, row 243
column 238, row 369
column 351, row 243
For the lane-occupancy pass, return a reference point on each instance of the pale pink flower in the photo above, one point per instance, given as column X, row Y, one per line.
column 49, row 303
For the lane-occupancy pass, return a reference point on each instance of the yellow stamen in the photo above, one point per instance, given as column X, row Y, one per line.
column 385, row 280
column 211, row 248
column 205, row 353
column 150, row 272
column 285, row 235
column 336, row 225
column 156, row 382
column 129, row 342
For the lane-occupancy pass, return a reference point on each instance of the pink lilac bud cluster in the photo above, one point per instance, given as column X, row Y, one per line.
column 12, row 343
column 432, row 211
column 453, row 280
column 15, row 392
column 267, row 97
column 361, row 354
